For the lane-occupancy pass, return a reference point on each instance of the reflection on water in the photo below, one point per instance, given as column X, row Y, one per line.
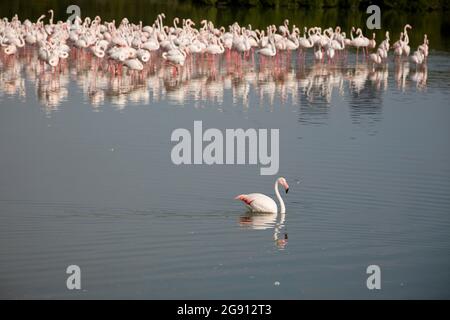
column 97, row 189
column 288, row 78
column 264, row 221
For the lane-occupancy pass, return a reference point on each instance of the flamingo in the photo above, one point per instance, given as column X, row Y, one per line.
column 292, row 43
column 258, row 202
column 270, row 50
column 318, row 54
column 424, row 46
column 349, row 42
column 215, row 48
column 143, row 55
column 10, row 49
column 131, row 44
column 241, row 43
column 398, row 46
column 385, row 44
column 175, row 56
column 304, row 42
column 375, row 58
column 227, row 39
column 134, row 64
column 360, row 41
column 356, row 42
column 285, row 27
column 196, row 46
column 315, row 35
column 330, row 53
column 372, row 42
column 418, row 57
column 53, row 60
column 406, row 47
column 382, row 53
column 98, row 50
column 151, row 44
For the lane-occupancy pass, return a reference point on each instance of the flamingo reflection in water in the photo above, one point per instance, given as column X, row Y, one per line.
column 199, row 80
column 267, row 221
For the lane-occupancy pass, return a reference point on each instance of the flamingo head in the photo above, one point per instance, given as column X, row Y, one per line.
column 284, row 183
column 53, row 61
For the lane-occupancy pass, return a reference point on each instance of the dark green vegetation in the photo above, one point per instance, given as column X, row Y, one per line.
column 435, row 23
column 417, row 5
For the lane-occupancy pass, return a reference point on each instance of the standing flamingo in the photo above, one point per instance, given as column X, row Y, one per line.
column 418, row 56
column 398, row 45
column 424, row 46
column 269, row 50
column 385, row 44
column 372, row 42
column 406, row 47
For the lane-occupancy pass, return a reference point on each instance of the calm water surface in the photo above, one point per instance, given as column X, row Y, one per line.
column 86, row 179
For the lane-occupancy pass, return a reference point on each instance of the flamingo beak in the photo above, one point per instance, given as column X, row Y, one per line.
column 286, row 187
column 284, row 184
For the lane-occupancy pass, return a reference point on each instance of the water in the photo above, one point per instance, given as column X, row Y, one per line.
column 86, row 179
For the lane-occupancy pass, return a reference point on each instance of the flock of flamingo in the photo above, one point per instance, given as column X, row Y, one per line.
column 131, row 45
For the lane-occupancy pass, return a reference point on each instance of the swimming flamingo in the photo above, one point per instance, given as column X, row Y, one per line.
column 258, row 202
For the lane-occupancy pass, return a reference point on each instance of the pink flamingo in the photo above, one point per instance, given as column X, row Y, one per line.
column 258, row 202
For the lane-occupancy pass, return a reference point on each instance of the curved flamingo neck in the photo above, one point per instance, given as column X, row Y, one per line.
column 280, row 200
